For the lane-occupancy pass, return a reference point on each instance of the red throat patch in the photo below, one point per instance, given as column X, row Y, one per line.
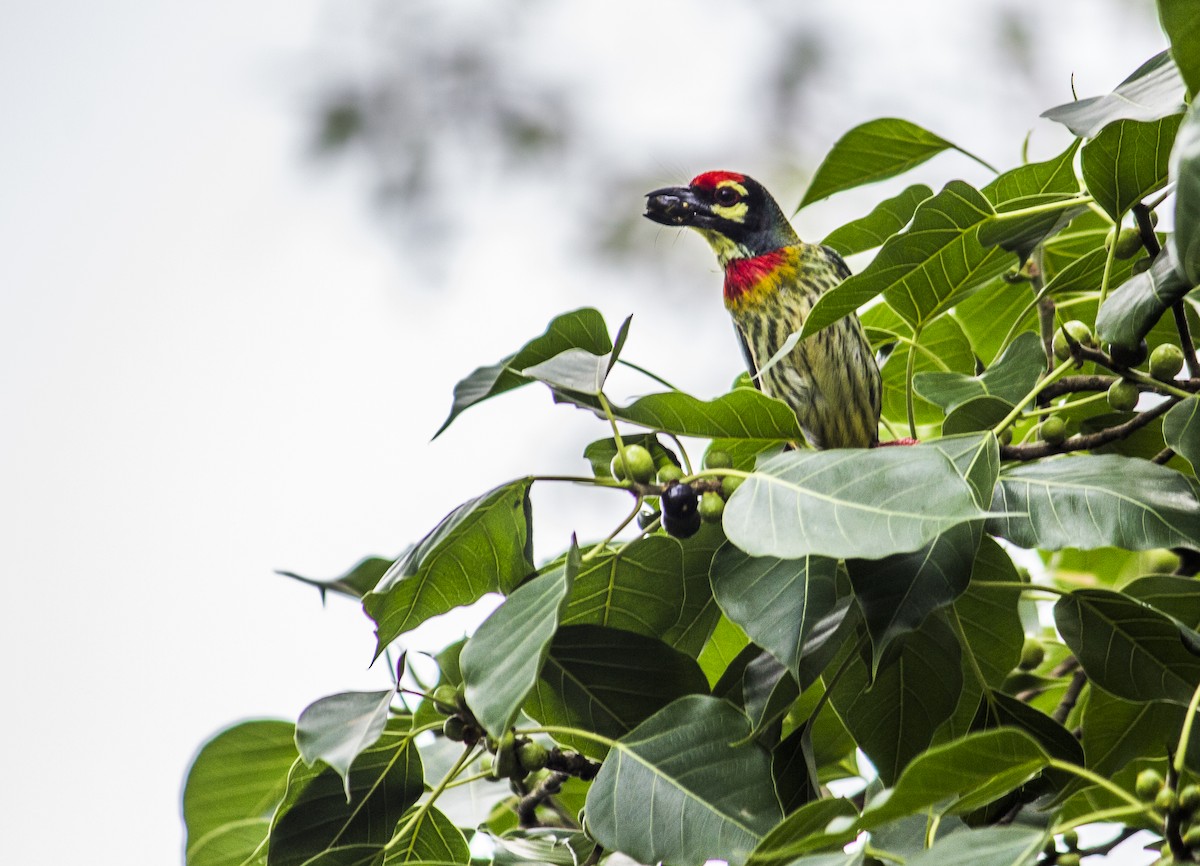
column 710, row 179
column 743, row 275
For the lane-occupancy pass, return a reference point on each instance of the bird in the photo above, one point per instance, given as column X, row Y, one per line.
column 830, row 379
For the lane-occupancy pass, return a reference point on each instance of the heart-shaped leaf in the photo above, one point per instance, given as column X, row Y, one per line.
column 582, row 329
column 848, row 503
column 1128, row 161
column 480, row 547
column 609, row 681
column 1096, row 501
column 502, row 660
column 676, row 790
column 339, row 728
column 1153, row 90
column 1127, row 648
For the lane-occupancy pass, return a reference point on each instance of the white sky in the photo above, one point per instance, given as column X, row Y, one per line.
column 213, row 363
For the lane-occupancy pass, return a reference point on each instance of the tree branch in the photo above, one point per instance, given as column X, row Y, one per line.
column 1070, row 697
column 1086, row 441
column 1073, row 384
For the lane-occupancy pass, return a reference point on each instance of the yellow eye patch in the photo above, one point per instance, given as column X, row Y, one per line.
column 734, row 193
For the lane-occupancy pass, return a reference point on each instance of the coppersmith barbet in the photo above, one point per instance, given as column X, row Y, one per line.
column 772, row 279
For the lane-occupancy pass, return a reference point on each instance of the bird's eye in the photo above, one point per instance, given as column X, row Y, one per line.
column 727, row 195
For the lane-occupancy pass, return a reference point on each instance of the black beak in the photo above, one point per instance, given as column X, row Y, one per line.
column 675, row 206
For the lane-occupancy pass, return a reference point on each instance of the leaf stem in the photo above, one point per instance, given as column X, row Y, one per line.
column 465, row 758
column 603, row 545
column 1185, row 733
column 1096, row 779
column 1032, row 395
column 659, row 379
column 570, row 732
column 612, row 421
column 960, row 633
column 1047, row 207
column 1108, row 264
column 978, row 159
column 909, row 366
column 1097, row 817
column 583, row 479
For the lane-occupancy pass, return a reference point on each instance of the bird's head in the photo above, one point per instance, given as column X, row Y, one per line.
column 734, row 213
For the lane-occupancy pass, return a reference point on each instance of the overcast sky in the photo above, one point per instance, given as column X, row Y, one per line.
column 215, row 362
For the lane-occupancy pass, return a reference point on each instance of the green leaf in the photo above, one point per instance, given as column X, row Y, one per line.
column 1127, row 648
column 1153, row 90
column 540, row 846
column 941, row 346
column 960, row 776
column 1009, row 378
column 819, row 824
column 1086, row 273
column 698, row 614
column 873, row 151
column 987, row 316
column 777, row 602
column 1095, row 501
column 433, row 839
column 1181, row 22
column 1181, row 429
column 978, row 414
column 894, row 720
column 236, row 780
column 848, row 503
column 769, row 692
column 480, row 547
column 675, row 790
column 1116, row 733
column 1035, row 185
column 989, row 614
column 887, row 218
column 990, row 846
column 925, row 270
column 502, row 660
column 1128, row 161
column 722, row 649
column 573, row 370
column 1129, row 313
column 1176, row 596
column 744, row 413
column 639, row 588
column 339, row 728
column 315, row 816
column 583, row 329
column 897, row 592
column 239, row 843
column 356, row 582
column 609, row 681
column 1184, row 242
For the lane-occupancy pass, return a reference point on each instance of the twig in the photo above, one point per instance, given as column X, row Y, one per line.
column 572, row 764
column 1074, row 384
column 543, row 795
column 1086, row 441
column 1070, row 697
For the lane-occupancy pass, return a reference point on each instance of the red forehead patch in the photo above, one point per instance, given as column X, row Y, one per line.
column 710, row 179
